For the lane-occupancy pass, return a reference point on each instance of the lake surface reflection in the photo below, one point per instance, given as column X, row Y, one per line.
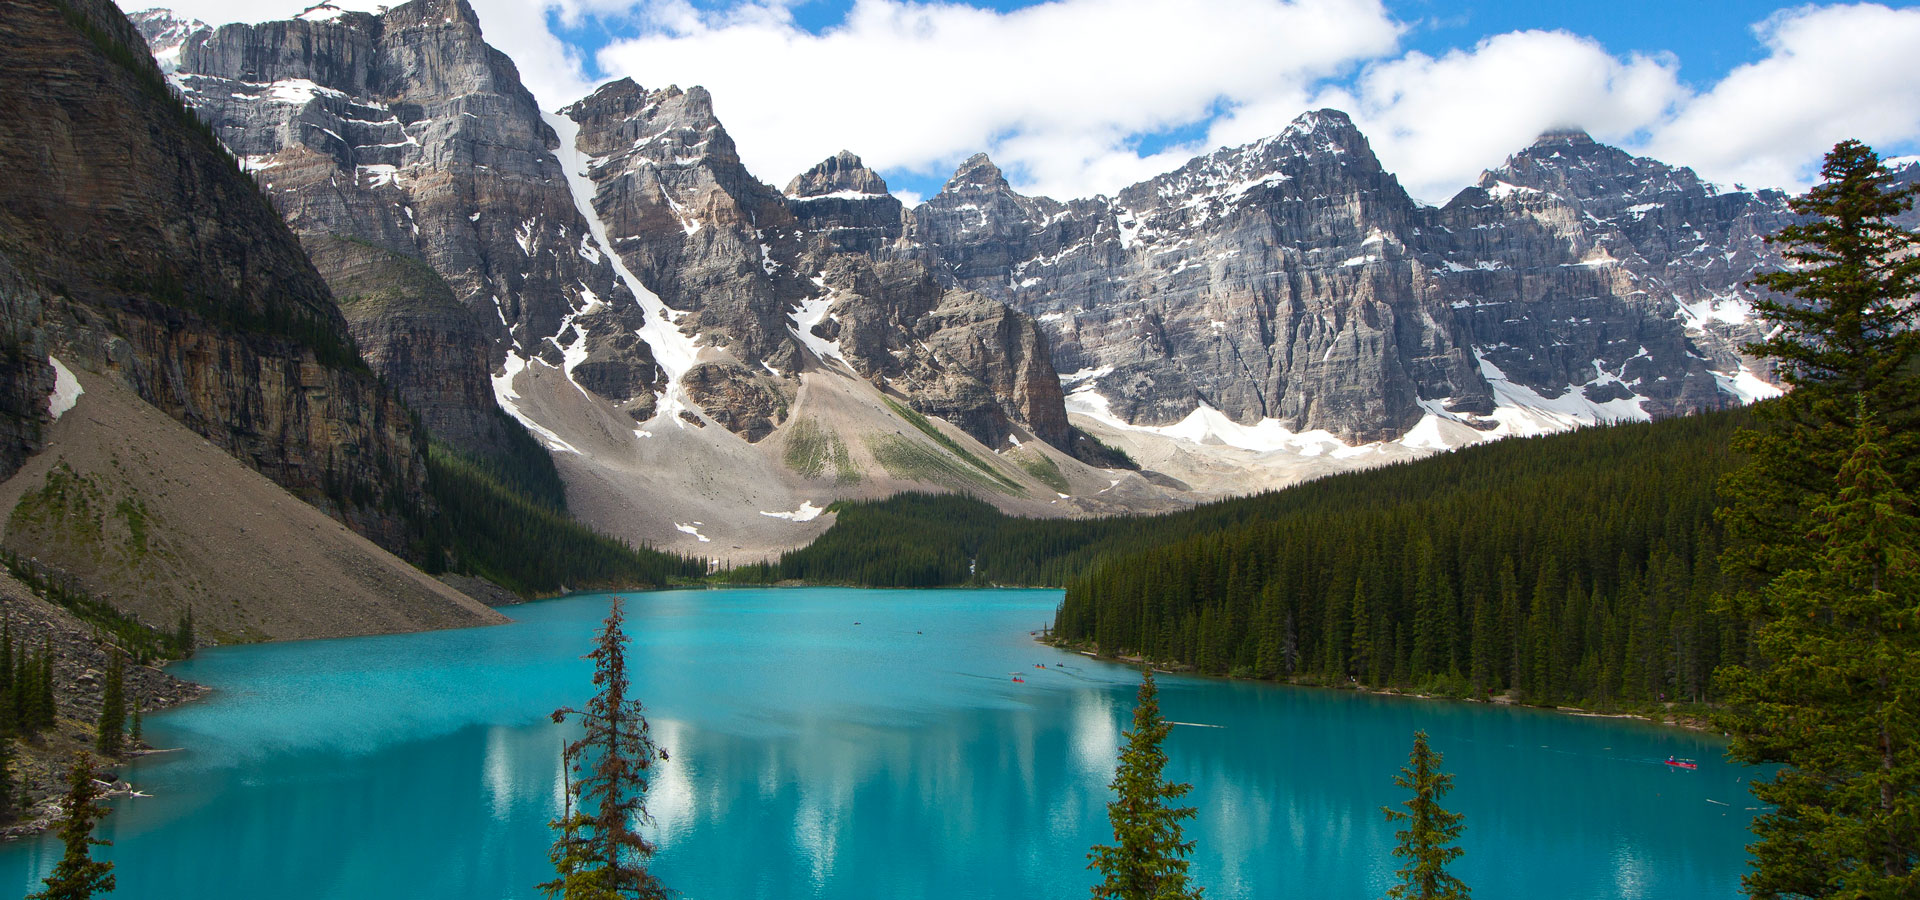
column 855, row 744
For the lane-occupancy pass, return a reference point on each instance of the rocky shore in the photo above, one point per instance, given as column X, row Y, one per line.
column 79, row 666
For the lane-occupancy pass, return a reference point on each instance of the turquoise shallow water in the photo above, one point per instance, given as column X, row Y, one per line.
column 816, row 757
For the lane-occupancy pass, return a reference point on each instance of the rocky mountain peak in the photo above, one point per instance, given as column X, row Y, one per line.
column 1314, row 132
column 1325, row 120
column 841, row 173
column 621, row 97
column 420, row 176
column 166, row 34
column 978, row 171
column 433, row 12
column 1572, row 137
column 672, row 127
column 1572, row 165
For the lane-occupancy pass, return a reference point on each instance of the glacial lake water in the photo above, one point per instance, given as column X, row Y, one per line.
column 892, row 758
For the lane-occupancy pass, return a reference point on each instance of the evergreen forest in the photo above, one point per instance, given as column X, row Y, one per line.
column 1572, row 568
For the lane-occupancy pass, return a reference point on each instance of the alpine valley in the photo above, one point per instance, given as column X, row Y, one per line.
column 476, row 328
column 323, row 327
column 711, row 361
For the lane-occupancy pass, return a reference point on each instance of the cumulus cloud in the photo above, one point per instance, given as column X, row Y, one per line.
column 1437, row 123
column 1066, row 94
column 1830, row 74
column 1060, row 93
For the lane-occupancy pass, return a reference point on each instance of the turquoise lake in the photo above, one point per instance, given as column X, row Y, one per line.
column 892, row 758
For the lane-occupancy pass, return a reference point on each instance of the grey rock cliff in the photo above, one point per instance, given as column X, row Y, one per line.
column 1293, row 279
column 406, row 133
column 139, row 250
column 845, row 208
column 745, row 263
column 700, row 232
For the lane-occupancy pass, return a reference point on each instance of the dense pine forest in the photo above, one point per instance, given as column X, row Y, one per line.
column 517, row 539
column 1570, row 568
column 1580, row 568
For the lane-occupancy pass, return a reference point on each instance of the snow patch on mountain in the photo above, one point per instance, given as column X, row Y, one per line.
column 812, row 311
column 509, row 400
column 1208, row 426
column 692, row 528
column 1750, row 388
column 66, row 390
column 673, row 350
column 1725, row 308
column 806, row 513
column 1525, row 412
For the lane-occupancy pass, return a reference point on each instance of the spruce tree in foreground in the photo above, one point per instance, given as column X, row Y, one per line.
column 1845, row 340
column 78, row 876
column 597, row 854
column 1148, row 859
column 1823, row 514
column 1838, row 699
column 110, row 733
column 1426, row 844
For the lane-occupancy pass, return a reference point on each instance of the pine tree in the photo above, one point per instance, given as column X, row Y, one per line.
column 6, row 655
column 1427, row 842
column 1481, row 654
column 1148, row 859
column 78, row 876
column 110, row 733
column 45, row 711
column 1838, row 698
column 6, row 779
column 183, row 634
column 1846, row 336
column 597, row 855
column 1823, row 514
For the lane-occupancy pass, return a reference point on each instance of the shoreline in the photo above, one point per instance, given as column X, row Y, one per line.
column 1673, row 719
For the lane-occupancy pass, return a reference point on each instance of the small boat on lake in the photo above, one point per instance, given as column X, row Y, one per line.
column 1682, row 763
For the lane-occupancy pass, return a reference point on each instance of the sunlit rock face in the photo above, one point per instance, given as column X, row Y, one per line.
column 419, row 173
column 1293, row 280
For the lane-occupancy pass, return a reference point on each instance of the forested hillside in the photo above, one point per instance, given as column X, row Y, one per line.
column 513, row 537
column 1575, row 567
column 1579, row 568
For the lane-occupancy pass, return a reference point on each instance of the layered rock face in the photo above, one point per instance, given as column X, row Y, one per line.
column 26, row 374
column 1293, row 279
column 771, row 284
column 146, row 254
column 844, row 207
column 957, row 354
column 1577, row 264
column 410, row 138
column 700, row 232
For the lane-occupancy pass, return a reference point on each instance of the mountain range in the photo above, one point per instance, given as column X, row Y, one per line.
column 711, row 361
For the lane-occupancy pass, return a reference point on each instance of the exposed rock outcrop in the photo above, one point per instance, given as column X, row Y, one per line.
column 161, row 264
column 772, row 284
column 845, row 208
column 1293, row 279
column 26, row 374
column 406, row 133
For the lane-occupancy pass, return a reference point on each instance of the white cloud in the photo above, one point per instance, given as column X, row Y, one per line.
column 1438, row 123
column 1830, row 74
column 1062, row 93
column 1056, row 92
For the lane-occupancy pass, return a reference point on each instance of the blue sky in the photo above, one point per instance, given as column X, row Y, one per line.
column 1710, row 36
column 1074, row 97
